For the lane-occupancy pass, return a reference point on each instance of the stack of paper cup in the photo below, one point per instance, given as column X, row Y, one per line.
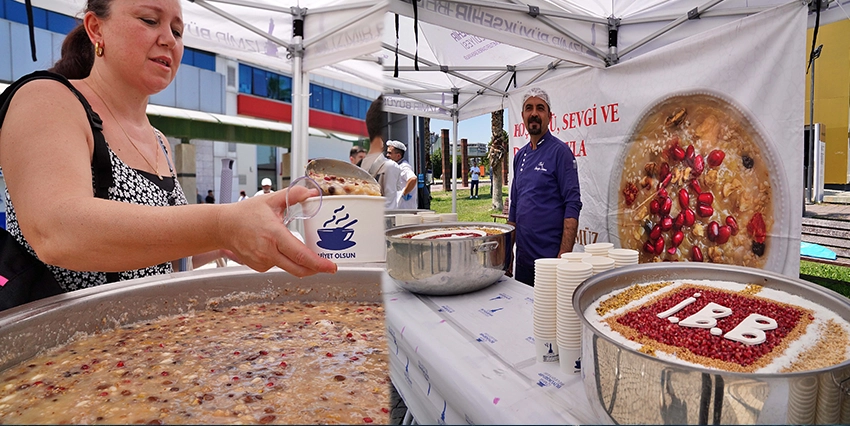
column 575, row 256
column 598, row 249
column 429, row 218
column 623, row 257
column 829, row 400
column 545, row 309
column 599, row 264
column 448, row 217
column 569, row 276
column 407, row 219
column 802, row 400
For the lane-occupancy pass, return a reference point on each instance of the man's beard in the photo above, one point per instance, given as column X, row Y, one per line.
column 538, row 130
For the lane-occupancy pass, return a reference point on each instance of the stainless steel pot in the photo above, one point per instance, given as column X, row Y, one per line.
column 626, row 386
column 448, row 266
column 30, row 328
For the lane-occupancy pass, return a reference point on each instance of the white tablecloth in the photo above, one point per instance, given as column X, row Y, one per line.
column 471, row 359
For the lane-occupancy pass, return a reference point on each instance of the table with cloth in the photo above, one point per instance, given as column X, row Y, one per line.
column 471, row 359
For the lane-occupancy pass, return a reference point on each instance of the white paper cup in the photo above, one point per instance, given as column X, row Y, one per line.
column 547, row 350
column 347, row 229
column 570, row 360
column 575, row 256
column 407, row 219
column 448, row 217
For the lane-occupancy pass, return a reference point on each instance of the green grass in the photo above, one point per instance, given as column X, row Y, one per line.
column 835, row 278
column 478, row 210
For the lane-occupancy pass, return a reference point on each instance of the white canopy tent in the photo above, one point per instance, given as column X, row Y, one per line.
column 331, row 38
column 471, row 53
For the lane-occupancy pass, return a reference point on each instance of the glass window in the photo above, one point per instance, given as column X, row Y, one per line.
column 316, row 100
column 188, row 56
column 245, row 75
column 274, row 85
column 337, row 102
column 327, row 99
column 364, row 106
column 204, row 60
column 347, row 105
column 57, row 22
column 260, row 82
column 17, row 12
column 285, row 89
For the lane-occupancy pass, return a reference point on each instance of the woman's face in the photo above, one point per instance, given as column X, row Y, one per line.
column 144, row 39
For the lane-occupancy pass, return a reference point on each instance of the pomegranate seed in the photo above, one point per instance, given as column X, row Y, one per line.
column 677, row 153
column 757, row 229
column 704, row 211
column 689, row 217
column 283, row 364
column 715, row 158
column 699, row 165
column 678, row 237
column 163, row 374
column 684, row 198
column 666, row 206
column 695, row 186
column 649, row 247
column 723, row 234
column 664, row 171
column 84, row 367
column 666, row 223
column 713, row 230
column 689, row 154
column 705, row 198
column 679, row 222
column 367, row 420
column 654, row 206
column 120, row 364
column 659, row 246
column 329, row 355
column 733, row 224
column 666, row 181
column 662, row 194
column 671, row 251
column 385, row 410
column 655, row 233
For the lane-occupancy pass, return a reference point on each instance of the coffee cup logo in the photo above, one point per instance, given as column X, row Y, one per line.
column 336, row 233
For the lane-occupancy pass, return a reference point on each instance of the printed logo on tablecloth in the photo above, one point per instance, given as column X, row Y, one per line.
column 425, row 374
column 489, row 312
column 530, row 339
column 502, row 296
column 446, row 308
column 442, row 419
column 547, row 379
column 484, row 337
column 407, row 372
column 392, row 336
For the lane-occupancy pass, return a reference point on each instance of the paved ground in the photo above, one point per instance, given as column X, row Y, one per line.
column 836, row 205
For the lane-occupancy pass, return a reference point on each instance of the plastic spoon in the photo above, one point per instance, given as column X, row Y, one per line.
column 297, row 210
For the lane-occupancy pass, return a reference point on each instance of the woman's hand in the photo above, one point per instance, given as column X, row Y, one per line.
column 253, row 231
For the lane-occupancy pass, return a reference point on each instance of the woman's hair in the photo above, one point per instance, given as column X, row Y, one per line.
column 77, row 50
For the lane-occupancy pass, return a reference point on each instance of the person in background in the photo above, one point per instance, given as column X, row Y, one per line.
column 407, row 179
column 200, row 200
column 474, row 174
column 210, row 197
column 121, row 53
column 266, row 187
column 242, row 196
column 357, row 154
column 545, row 196
column 384, row 171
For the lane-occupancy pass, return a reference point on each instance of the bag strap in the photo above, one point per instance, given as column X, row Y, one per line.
column 101, row 163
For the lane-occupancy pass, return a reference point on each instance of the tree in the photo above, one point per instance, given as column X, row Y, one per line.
column 497, row 154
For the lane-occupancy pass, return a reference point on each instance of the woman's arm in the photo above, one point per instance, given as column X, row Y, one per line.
column 45, row 151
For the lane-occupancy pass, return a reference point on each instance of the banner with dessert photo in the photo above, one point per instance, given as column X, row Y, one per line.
column 692, row 152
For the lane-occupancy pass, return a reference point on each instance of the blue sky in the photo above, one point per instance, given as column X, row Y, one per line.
column 475, row 130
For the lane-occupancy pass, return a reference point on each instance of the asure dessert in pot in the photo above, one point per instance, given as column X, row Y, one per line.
column 290, row 363
column 697, row 185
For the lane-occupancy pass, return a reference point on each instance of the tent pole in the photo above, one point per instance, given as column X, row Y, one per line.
column 298, row 144
column 455, row 115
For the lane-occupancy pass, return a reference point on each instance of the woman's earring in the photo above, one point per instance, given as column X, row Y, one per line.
column 98, row 49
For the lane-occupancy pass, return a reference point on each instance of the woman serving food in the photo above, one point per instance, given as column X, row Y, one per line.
column 123, row 52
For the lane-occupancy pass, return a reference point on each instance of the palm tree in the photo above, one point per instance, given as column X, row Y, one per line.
column 498, row 156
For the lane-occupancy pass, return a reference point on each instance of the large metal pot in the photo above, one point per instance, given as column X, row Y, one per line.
column 626, row 386
column 448, row 266
column 30, row 328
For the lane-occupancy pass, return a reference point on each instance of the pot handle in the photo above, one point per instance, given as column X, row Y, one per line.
column 488, row 246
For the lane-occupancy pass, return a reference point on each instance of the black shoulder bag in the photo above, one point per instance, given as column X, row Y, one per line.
column 23, row 277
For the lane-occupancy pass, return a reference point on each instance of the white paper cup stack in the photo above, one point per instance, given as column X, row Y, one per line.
column 545, row 309
column 429, row 217
column 802, row 400
column 569, row 276
column 598, row 249
column 829, row 401
column 623, row 257
column 575, row 256
column 448, row 217
column 599, row 263
column 407, row 219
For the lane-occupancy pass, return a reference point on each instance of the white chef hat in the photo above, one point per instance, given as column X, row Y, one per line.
column 397, row 145
column 266, row 182
column 536, row 92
